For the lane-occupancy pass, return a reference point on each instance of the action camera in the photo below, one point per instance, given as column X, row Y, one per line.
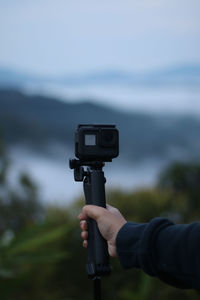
column 95, row 145
column 96, row 142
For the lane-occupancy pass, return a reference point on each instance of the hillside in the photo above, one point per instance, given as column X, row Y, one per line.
column 38, row 121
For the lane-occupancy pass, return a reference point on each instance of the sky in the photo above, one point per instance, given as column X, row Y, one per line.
column 56, row 37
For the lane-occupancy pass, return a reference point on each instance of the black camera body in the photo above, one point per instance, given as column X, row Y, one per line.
column 96, row 142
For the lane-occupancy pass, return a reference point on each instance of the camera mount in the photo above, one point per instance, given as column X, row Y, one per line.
column 94, row 144
column 79, row 171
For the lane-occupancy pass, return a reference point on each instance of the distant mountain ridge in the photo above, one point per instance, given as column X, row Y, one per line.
column 178, row 75
column 39, row 121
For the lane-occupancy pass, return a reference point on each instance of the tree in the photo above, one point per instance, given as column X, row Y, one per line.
column 184, row 178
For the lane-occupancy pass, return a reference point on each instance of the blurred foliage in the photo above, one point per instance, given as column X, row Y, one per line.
column 183, row 179
column 41, row 256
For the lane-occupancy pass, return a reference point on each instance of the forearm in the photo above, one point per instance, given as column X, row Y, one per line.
column 162, row 249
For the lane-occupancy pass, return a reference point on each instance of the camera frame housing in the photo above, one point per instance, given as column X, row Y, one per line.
column 96, row 142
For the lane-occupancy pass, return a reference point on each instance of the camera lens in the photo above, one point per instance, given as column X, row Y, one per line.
column 108, row 137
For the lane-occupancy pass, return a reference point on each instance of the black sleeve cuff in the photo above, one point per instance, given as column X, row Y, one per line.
column 127, row 243
column 136, row 243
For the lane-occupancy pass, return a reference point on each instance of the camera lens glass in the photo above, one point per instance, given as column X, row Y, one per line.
column 108, row 137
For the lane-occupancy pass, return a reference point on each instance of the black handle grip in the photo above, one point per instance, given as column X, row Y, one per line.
column 98, row 257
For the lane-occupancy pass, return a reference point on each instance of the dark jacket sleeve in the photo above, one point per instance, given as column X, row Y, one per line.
column 163, row 249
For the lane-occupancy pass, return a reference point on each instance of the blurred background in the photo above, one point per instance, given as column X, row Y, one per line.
column 134, row 64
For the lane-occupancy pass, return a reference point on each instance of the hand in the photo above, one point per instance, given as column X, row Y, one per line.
column 109, row 221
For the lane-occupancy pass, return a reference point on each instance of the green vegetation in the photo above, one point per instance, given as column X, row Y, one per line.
column 41, row 256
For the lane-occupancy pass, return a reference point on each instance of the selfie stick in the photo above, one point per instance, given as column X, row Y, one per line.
column 94, row 190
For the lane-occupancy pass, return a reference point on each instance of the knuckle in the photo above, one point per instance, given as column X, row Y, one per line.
column 116, row 210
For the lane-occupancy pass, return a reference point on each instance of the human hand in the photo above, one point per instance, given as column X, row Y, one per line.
column 109, row 221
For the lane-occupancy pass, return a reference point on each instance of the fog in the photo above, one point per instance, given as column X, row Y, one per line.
column 172, row 100
column 55, row 180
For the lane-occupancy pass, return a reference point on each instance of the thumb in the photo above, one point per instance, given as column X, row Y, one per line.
column 91, row 211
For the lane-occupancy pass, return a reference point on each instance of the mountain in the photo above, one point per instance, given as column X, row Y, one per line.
column 10, row 77
column 38, row 121
column 178, row 76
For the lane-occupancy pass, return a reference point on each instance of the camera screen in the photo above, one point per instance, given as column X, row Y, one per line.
column 90, row 139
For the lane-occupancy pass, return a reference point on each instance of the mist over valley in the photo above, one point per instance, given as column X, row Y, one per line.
column 38, row 131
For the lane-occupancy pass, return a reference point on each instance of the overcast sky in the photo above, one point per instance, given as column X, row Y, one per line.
column 73, row 36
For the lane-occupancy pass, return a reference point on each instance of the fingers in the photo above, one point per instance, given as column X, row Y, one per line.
column 109, row 221
column 84, row 235
column 91, row 211
column 85, row 243
column 88, row 211
column 99, row 214
column 83, row 225
column 109, row 207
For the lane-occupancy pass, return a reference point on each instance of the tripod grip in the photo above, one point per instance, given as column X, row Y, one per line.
column 98, row 257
